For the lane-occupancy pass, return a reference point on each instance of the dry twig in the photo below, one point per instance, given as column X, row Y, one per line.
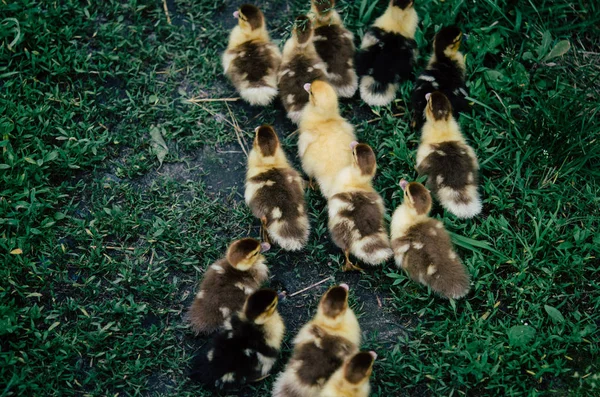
column 167, row 11
column 310, row 286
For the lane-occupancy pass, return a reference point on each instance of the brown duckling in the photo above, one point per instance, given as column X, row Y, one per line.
column 448, row 161
column 275, row 192
column 251, row 60
column 335, row 45
column 321, row 347
column 352, row 379
column 356, row 211
column 300, row 64
column 422, row 246
column 227, row 283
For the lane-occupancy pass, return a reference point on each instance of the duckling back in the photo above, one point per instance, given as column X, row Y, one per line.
column 238, row 354
column 452, row 176
column 425, row 252
column 223, row 292
column 335, row 46
column 314, row 361
column 252, row 69
column 444, row 75
column 356, row 225
column 277, row 196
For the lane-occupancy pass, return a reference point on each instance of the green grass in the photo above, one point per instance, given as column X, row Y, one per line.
column 101, row 248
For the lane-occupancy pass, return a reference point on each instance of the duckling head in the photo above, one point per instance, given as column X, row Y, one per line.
column 260, row 306
column 245, row 253
column 333, row 306
column 266, row 141
column 323, row 7
column 303, row 30
column 447, row 41
column 402, row 4
column 322, row 97
column 438, row 107
column 249, row 17
column 416, row 197
column 359, row 368
column 364, row 159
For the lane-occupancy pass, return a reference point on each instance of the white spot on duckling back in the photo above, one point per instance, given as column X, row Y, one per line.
column 470, row 178
column 432, row 232
column 210, row 355
column 310, row 69
column 426, row 78
column 276, row 213
column 248, row 352
column 225, row 311
column 368, row 40
column 290, row 99
column 439, row 179
column 319, row 38
column 227, row 378
column 440, row 152
column 219, row 269
column 452, row 255
column 431, row 269
column 200, row 295
column 417, row 245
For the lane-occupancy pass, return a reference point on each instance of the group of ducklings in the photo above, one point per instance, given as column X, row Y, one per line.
column 319, row 65
column 326, row 361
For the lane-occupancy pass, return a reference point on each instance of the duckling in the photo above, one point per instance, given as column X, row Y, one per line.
column 325, row 136
column 320, row 347
column 352, row 380
column 251, row 61
column 275, row 192
column 448, row 161
column 300, row 64
column 335, row 45
column 387, row 53
column 445, row 73
column 246, row 349
column 422, row 246
column 356, row 211
column 227, row 283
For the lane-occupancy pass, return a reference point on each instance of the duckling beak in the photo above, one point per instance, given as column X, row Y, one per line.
column 353, row 144
column 427, row 96
column 264, row 247
column 236, row 14
column 307, row 87
column 403, row 184
column 345, row 286
column 373, row 354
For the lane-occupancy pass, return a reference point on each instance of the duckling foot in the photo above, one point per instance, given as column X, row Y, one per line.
column 349, row 266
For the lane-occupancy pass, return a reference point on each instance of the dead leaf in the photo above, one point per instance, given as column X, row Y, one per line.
column 16, row 251
column 158, row 145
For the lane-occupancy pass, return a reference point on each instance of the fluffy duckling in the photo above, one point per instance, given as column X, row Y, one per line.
column 356, row 211
column 300, row 64
column 445, row 73
column 275, row 192
column 352, row 380
column 251, row 61
column 246, row 349
column 448, row 161
column 335, row 45
column 387, row 53
column 227, row 283
column 422, row 246
column 321, row 347
column 325, row 136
